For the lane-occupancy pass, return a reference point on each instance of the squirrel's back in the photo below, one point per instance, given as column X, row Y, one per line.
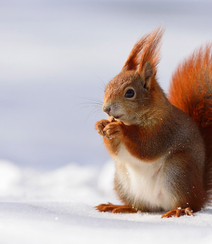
column 191, row 91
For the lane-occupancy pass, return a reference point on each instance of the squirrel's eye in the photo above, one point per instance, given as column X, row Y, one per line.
column 129, row 93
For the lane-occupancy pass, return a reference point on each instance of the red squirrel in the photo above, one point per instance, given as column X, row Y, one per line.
column 162, row 146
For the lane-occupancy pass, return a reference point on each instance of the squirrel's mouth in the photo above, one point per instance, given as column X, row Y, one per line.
column 118, row 116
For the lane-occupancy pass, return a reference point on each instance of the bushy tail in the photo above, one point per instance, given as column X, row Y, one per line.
column 191, row 91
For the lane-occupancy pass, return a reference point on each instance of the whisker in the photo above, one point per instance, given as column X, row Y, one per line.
column 93, row 103
column 89, row 104
column 102, row 89
column 92, row 99
column 102, row 82
column 93, row 108
column 94, row 111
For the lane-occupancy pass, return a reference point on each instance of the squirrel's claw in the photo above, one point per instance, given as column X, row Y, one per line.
column 112, row 130
column 109, row 207
column 178, row 212
column 100, row 125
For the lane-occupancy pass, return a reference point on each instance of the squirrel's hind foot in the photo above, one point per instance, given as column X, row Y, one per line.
column 115, row 208
column 178, row 212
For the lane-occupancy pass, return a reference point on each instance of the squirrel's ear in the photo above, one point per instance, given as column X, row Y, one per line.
column 146, row 74
column 133, row 59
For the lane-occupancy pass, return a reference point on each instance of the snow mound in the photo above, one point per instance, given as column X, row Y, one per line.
column 69, row 183
column 57, row 207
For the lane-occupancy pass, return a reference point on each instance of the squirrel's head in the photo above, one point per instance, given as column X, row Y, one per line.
column 129, row 96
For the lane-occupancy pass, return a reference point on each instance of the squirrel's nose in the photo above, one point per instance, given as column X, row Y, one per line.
column 107, row 109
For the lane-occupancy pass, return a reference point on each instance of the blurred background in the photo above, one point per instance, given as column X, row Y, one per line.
column 56, row 57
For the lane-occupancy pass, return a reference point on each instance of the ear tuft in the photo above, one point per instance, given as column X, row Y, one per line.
column 133, row 59
column 151, row 50
column 146, row 49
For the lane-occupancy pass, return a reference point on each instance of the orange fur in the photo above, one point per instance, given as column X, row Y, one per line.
column 133, row 59
column 191, row 91
column 151, row 50
column 146, row 49
column 191, row 87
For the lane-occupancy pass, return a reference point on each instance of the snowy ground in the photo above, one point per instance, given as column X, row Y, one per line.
column 57, row 207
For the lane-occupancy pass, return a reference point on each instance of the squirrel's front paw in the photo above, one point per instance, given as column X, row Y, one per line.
column 100, row 125
column 112, row 130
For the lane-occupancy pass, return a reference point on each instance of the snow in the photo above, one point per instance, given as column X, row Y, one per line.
column 58, row 207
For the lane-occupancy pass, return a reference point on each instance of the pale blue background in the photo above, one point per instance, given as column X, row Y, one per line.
column 55, row 54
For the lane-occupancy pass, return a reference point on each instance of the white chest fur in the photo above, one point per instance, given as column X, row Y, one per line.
column 143, row 182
